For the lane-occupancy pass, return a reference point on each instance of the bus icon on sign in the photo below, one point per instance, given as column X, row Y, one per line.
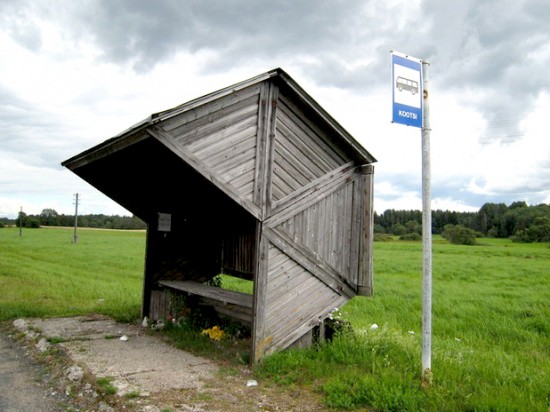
column 406, row 84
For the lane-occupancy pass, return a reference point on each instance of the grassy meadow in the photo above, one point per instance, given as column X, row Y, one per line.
column 491, row 318
column 43, row 274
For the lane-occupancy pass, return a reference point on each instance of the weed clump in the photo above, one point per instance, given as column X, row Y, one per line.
column 198, row 328
column 335, row 324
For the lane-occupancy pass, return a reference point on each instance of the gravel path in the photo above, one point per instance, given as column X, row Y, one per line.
column 22, row 386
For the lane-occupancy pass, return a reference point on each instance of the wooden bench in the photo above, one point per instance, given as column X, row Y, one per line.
column 234, row 304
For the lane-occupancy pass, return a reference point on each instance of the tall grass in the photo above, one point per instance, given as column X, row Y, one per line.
column 491, row 318
column 491, row 333
column 43, row 274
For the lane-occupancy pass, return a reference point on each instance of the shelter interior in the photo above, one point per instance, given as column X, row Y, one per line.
column 209, row 233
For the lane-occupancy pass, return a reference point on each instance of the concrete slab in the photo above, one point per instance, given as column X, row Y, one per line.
column 142, row 364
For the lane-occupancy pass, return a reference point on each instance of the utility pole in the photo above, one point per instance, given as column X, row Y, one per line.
column 75, row 237
column 21, row 222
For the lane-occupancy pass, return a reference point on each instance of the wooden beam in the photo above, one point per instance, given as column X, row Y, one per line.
column 365, row 270
column 259, row 340
column 264, row 146
column 189, row 158
column 318, row 268
column 212, row 292
column 311, row 194
column 148, row 272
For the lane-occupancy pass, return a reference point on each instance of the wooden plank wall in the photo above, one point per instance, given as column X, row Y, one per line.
column 325, row 228
column 313, row 262
column 315, row 232
column 161, row 304
column 223, row 135
column 301, row 151
column 295, row 302
column 239, row 254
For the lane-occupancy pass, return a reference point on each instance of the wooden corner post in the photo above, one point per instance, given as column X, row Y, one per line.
column 365, row 272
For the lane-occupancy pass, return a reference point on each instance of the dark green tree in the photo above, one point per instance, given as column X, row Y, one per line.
column 49, row 217
column 459, row 235
column 490, row 219
column 412, row 226
column 21, row 219
column 398, row 229
column 538, row 231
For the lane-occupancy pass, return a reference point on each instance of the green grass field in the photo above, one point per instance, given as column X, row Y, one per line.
column 491, row 333
column 42, row 273
column 491, row 318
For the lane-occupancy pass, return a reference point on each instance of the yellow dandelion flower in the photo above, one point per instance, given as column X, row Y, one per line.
column 214, row 333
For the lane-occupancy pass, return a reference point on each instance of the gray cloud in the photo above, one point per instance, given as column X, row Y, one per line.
column 494, row 50
column 31, row 134
column 487, row 46
column 17, row 18
column 145, row 33
column 471, row 44
column 491, row 47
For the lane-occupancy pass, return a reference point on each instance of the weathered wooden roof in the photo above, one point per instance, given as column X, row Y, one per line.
column 154, row 118
column 258, row 142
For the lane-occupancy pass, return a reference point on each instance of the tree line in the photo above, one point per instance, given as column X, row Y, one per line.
column 49, row 217
column 518, row 221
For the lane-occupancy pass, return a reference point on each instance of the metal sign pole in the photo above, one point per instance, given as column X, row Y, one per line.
column 426, row 237
column 410, row 106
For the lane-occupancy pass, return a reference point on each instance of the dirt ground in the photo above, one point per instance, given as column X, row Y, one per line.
column 23, row 385
column 98, row 364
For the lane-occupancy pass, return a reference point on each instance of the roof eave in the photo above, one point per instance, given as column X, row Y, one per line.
column 124, row 139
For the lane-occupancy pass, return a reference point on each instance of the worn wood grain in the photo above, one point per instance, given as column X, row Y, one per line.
column 303, row 146
column 261, row 144
column 332, row 152
column 311, row 194
column 292, row 311
column 200, row 167
column 212, row 292
column 184, row 125
column 261, row 267
column 222, row 137
column 298, row 187
column 365, row 270
column 309, row 261
column 238, row 254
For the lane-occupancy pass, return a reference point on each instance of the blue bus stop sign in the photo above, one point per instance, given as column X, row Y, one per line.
column 407, row 90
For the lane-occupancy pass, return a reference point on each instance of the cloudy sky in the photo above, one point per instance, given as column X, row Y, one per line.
column 73, row 74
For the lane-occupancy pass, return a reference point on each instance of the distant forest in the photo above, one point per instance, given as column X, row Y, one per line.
column 49, row 217
column 518, row 221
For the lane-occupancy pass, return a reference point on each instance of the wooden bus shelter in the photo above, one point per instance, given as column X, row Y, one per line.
column 255, row 180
